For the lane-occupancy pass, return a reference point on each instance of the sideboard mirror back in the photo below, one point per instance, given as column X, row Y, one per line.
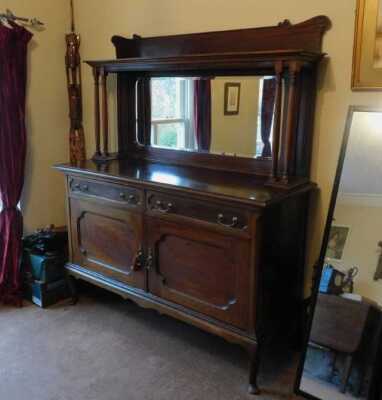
column 240, row 100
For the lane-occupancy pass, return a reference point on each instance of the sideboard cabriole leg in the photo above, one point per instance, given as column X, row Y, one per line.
column 254, row 362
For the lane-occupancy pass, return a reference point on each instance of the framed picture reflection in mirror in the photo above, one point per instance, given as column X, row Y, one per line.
column 231, row 98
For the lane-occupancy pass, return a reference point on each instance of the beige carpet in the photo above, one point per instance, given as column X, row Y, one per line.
column 105, row 348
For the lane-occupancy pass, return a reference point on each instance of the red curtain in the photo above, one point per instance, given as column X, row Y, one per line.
column 202, row 113
column 144, row 110
column 13, row 52
column 267, row 106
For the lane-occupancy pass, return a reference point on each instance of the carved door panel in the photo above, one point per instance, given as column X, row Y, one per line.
column 200, row 269
column 108, row 241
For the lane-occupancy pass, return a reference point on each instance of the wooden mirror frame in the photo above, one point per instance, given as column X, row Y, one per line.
column 320, row 263
column 289, row 52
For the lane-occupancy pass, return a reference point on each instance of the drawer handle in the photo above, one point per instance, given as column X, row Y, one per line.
column 83, row 188
column 131, row 199
column 138, row 261
column 221, row 221
column 159, row 206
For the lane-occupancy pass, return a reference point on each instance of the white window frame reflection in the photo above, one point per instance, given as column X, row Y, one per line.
column 259, row 142
column 184, row 111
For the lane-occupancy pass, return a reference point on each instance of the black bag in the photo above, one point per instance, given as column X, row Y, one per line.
column 49, row 241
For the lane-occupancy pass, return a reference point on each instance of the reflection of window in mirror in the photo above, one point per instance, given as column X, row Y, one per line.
column 172, row 121
column 189, row 113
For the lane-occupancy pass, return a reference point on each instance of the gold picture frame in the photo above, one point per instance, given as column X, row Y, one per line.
column 367, row 54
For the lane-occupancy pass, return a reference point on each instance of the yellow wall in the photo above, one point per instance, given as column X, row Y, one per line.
column 235, row 133
column 361, row 247
column 43, row 199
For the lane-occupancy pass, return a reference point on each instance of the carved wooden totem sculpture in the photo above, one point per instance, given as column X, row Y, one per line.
column 73, row 75
column 378, row 272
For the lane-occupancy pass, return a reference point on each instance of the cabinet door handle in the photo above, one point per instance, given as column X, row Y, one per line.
column 159, row 206
column 222, row 221
column 150, row 264
column 149, row 259
column 138, row 261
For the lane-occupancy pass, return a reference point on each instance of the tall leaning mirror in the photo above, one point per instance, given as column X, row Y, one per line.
column 341, row 353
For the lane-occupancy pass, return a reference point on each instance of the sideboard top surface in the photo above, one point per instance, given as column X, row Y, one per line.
column 242, row 188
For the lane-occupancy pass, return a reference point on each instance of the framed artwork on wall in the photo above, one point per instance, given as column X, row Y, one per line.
column 367, row 54
column 337, row 240
column 231, row 98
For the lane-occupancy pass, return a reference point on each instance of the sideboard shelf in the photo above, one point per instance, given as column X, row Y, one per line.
column 257, row 60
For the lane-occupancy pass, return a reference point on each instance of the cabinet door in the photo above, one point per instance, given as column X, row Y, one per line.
column 107, row 240
column 201, row 269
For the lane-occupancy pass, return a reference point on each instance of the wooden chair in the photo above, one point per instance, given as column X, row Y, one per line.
column 340, row 324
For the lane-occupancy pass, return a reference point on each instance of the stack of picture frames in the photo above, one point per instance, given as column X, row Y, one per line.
column 367, row 57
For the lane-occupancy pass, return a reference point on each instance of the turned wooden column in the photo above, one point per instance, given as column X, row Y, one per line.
column 105, row 114
column 276, row 135
column 291, row 118
column 101, row 112
column 97, row 115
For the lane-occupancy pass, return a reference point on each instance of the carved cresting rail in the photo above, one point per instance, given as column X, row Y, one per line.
column 289, row 52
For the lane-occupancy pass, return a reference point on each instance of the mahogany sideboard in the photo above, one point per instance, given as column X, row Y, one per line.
column 212, row 240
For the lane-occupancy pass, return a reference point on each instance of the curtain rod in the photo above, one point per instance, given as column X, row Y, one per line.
column 10, row 16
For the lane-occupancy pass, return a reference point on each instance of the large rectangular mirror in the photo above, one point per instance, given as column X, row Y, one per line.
column 229, row 115
column 344, row 338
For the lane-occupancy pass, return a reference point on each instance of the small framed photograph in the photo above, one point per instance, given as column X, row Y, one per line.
column 337, row 241
column 367, row 54
column 231, row 98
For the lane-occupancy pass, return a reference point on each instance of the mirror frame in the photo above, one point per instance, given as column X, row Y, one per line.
column 317, row 273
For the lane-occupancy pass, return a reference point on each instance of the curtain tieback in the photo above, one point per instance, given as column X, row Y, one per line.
column 11, row 208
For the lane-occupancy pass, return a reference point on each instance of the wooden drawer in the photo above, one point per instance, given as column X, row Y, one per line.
column 228, row 217
column 126, row 195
